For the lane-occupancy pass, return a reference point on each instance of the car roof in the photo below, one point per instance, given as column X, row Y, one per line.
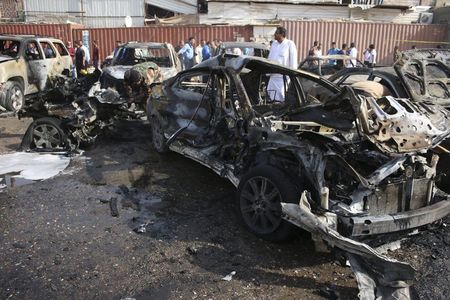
column 329, row 57
column 244, row 45
column 21, row 37
column 135, row 45
column 237, row 62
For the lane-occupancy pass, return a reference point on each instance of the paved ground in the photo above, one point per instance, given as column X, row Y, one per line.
column 58, row 238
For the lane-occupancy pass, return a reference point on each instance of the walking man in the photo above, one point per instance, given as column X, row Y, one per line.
column 284, row 52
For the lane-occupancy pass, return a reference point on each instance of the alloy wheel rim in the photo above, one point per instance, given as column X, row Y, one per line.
column 260, row 205
column 46, row 136
column 17, row 98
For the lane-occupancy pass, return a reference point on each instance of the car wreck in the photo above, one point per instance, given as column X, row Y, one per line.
column 72, row 112
column 343, row 166
column 26, row 63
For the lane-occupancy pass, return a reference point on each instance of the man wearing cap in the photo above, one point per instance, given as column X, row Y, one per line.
column 138, row 81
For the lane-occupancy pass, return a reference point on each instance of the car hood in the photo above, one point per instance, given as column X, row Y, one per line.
column 4, row 58
column 118, row 72
column 425, row 74
column 394, row 125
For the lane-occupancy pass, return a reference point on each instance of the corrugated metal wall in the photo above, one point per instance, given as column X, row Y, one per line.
column 107, row 37
column 384, row 36
column 60, row 31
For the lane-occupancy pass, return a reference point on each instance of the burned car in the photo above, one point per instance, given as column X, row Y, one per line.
column 365, row 161
column 132, row 53
column 345, row 167
column 26, row 63
column 329, row 64
column 243, row 48
column 420, row 75
column 71, row 112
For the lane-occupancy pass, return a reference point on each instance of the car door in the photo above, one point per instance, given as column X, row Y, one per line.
column 190, row 106
column 37, row 66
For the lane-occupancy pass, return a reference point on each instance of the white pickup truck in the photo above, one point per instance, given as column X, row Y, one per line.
column 26, row 63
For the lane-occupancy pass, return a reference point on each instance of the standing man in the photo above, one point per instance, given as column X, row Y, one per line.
column 95, row 54
column 333, row 51
column 372, row 56
column 87, row 56
column 353, row 52
column 199, row 52
column 284, row 52
column 397, row 54
column 80, row 59
column 118, row 43
column 71, row 50
column 187, row 53
column 206, row 51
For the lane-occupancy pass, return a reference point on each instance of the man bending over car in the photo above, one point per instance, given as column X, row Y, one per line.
column 138, row 81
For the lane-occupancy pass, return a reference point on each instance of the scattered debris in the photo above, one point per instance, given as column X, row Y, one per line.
column 113, row 207
column 229, row 276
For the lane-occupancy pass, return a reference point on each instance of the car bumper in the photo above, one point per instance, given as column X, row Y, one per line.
column 371, row 225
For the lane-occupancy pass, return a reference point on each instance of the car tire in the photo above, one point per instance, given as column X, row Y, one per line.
column 158, row 138
column 45, row 134
column 14, row 98
column 259, row 195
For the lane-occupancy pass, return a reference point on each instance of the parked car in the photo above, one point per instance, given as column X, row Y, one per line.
column 366, row 162
column 132, row 53
column 243, row 48
column 26, row 63
column 329, row 64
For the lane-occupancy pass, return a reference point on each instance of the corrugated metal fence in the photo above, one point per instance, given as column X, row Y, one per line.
column 63, row 32
column 385, row 36
column 107, row 37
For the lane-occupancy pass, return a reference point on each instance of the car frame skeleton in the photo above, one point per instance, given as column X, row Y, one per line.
column 363, row 166
column 71, row 112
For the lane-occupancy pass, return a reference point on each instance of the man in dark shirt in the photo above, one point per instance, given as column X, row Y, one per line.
column 95, row 55
column 80, row 59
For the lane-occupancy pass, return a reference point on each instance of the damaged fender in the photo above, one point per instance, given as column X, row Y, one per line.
column 378, row 276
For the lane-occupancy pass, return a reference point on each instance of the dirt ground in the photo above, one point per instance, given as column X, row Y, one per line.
column 176, row 234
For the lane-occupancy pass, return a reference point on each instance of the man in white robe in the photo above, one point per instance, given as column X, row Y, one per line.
column 284, row 52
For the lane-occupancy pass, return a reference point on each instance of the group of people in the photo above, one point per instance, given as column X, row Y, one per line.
column 191, row 54
column 370, row 53
column 81, row 56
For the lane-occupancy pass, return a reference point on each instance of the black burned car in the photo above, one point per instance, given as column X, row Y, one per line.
column 329, row 64
column 366, row 162
column 243, row 48
column 71, row 112
column 421, row 75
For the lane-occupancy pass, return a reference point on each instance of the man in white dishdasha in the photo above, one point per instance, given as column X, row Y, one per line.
column 284, row 52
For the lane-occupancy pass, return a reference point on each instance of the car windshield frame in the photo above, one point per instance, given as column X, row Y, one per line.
column 129, row 56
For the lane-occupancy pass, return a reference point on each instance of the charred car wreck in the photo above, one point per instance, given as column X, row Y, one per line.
column 361, row 166
column 70, row 112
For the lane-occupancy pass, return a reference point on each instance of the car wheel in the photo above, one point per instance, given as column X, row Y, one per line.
column 259, row 195
column 158, row 138
column 45, row 134
column 14, row 98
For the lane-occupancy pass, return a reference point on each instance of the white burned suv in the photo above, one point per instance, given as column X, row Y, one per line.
column 26, row 63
